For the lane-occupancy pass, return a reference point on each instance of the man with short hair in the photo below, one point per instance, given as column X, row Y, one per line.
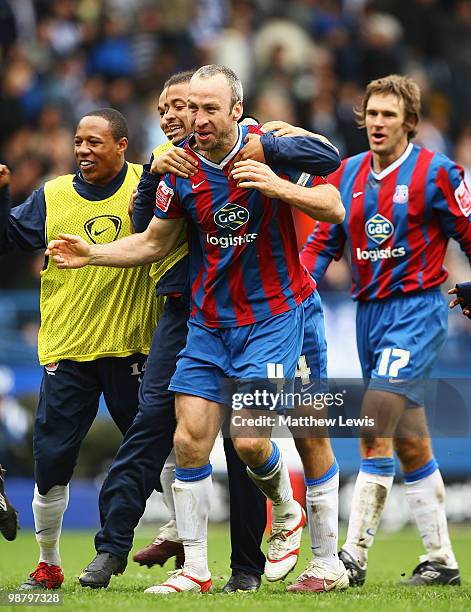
column 123, row 496
column 83, row 345
column 403, row 203
column 249, row 295
column 137, row 466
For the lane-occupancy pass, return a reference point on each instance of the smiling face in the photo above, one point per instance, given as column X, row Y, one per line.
column 99, row 156
column 212, row 118
column 161, row 109
column 176, row 111
column 386, row 127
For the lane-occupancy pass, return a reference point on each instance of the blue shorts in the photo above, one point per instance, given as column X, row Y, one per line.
column 311, row 373
column 262, row 351
column 399, row 339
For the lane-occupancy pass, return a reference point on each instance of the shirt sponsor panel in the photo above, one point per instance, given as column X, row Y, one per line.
column 377, row 254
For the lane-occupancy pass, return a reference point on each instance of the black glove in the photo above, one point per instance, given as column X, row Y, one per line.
column 464, row 292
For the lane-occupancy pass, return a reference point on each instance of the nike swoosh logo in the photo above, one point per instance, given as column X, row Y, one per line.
column 370, row 532
column 357, row 194
column 102, row 231
column 196, row 185
column 41, row 530
column 304, row 389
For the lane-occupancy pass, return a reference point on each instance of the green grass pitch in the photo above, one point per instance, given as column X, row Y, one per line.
column 391, row 557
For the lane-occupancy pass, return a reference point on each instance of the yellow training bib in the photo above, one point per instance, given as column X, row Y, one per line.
column 94, row 312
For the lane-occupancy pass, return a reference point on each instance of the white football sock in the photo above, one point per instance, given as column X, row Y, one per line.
column 369, row 497
column 276, row 486
column 192, row 503
column 167, row 478
column 48, row 511
column 426, row 498
column 322, row 505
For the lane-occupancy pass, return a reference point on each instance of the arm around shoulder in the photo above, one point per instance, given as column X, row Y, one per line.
column 321, row 202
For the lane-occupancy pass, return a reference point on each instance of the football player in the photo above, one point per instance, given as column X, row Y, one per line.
column 83, row 346
column 146, row 444
column 402, row 203
column 249, row 299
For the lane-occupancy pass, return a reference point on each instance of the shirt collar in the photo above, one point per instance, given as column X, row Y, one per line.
column 232, row 153
column 381, row 175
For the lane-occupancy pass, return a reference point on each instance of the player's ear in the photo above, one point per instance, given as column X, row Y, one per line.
column 410, row 123
column 237, row 110
column 122, row 144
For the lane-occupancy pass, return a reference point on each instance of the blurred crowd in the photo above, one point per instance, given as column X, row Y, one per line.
column 304, row 61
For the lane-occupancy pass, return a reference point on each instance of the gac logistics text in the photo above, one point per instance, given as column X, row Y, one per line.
column 266, row 400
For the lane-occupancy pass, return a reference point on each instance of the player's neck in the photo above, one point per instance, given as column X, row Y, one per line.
column 381, row 161
column 114, row 175
column 217, row 154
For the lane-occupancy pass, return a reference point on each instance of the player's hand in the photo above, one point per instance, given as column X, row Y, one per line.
column 131, row 203
column 459, row 301
column 251, row 174
column 252, row 149
column 176, row 161
column 69, row 251
column 5, row 176
column 281, row 128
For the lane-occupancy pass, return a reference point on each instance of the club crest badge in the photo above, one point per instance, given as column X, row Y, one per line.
column 401, row 195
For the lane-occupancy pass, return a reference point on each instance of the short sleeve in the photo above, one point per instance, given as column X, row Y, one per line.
column 167, row 203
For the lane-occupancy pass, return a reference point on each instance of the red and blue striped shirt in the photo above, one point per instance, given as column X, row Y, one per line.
column 397, row 223
column 244, row 262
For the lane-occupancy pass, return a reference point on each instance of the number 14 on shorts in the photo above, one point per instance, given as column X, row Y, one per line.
column 303, row 371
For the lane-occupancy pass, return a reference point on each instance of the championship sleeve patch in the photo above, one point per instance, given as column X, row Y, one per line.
column 164, row 196
column 303, row 179
column 309, row 180
column 463, row 197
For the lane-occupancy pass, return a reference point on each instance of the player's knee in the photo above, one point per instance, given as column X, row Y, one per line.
column 53, row 468
column 252, row 451
column 189, row 446
column 413, row 453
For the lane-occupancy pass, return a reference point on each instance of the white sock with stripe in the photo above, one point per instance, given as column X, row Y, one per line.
column 272, row 478
column 425, row 494
column 48, row 511
column 192, row 492
column 322, row 505
column 372, row 487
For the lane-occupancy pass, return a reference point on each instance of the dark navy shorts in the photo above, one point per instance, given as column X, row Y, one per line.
column 68, row 404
